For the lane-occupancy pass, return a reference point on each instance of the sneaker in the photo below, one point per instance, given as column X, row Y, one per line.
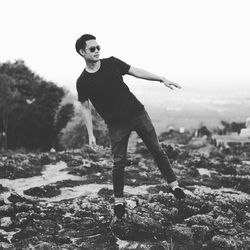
column 178, row 193
column 119, row 210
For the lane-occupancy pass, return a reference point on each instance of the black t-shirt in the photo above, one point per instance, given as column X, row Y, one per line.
column 108, row 93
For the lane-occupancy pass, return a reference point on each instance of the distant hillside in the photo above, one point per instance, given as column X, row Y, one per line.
column 193, row 117
column 194, row 105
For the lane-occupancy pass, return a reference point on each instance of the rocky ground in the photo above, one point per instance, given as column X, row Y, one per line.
column 215, row 214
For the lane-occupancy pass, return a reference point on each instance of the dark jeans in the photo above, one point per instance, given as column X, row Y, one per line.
column 119, row 136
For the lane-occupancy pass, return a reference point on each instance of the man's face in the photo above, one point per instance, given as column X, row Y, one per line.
column 92, row 51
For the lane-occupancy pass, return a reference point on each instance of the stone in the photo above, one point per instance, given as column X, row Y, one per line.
column 247, row 224
column 225, row 242
column 2, row 189
column 6, row 222
column 223, row 222
column 200, row 219
column 45, row 160
column 136, row 227
column 23, row 207
column 43, row 191
column 182, row 234
column 15, row 197
column 22, row 219
column 7, row 246
column 6, row 210
column 201, row 233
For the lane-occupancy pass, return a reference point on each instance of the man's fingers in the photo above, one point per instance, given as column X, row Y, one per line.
column 177, row 86
column 92, row 144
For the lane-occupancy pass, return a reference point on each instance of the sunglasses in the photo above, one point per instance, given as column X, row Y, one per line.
column 93, row 48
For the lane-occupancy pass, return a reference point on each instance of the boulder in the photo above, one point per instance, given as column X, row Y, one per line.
column 43, row 191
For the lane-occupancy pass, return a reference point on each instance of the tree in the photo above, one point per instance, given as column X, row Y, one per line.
column 237, row 126
column 62, row 117
column 232, row 127
column 7, row 102
column 31, row 122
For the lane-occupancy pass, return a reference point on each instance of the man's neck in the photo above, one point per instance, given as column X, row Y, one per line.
column 93, row 66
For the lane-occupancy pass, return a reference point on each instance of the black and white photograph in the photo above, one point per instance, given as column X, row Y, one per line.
column 125, row 125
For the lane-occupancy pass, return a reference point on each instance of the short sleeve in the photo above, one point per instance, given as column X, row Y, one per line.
column 82, row 92
column 123, row 67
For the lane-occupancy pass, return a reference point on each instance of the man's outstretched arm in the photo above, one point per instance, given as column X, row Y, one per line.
column 143, row 74
column 87, row 117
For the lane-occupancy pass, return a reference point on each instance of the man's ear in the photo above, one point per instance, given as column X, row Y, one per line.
column 82, row 52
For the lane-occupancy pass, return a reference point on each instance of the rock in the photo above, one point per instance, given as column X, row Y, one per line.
column 201, row 219
column 247, row 224
column 45, row 246
column 231, row 170
column 43, row 191
column 2, row 201
column 201, row 233
column 81, row 170
column 6, row 210
column 2, row 189
column 244, row 185
column 14, row 198
column 196, row 143
column 137, row 225
column 225, row 242
column 23, row 207
column 22, row 219
column 105, row 193
column 25, row 233
column 75, row 161
column 127, row 245
column 20, row 166
column 207, row 150
column 171, row 152
column 6, row 222
column 36, row 228
column 132, row 204
column 182, row 235
column 187, row 210
column 223, row 222
column 243, row 170
column 52, row 150
column 3, row 238
column 45, row 160
column 6, row 246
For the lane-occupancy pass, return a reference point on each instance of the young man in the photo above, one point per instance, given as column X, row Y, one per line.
column 101, row 82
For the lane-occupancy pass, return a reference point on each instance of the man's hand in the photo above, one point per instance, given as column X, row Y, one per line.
column 92, row 142
column 170, row 84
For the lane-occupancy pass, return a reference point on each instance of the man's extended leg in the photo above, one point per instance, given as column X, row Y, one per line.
column 146, row 131
column 119, row 143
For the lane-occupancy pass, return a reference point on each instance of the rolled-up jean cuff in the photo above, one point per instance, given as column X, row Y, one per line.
column 173, row 183
column 119, row 200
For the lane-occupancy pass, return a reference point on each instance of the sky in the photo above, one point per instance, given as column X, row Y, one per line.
column 191, row 42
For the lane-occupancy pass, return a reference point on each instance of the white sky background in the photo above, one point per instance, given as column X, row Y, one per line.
column 192, row 42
